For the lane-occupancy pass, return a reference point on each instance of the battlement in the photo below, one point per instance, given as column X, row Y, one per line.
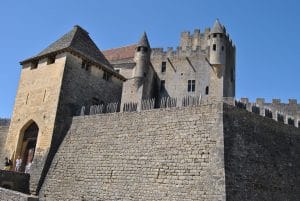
column 288, row 113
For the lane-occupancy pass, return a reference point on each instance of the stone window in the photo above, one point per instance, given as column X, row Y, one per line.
column 298, row 124
column 207, row 90
column 34, row 65
column 51, row 60
column 214, row 35
column 162, row 85
column 222, row 48
column 214, row 47
column 163, row 66
column 106, row 76
column 85, row 65
column 191, row 85
column 221, row 36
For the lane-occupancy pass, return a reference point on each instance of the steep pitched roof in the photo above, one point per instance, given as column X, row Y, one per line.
column 144, row 42
column 76, row 40
column 120, row 53
column 218, row 27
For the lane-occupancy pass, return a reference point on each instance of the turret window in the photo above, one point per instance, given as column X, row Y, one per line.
column 222, row 48
column 163, row 66
column 215, row 35
column 214, row 47
column 191, row 85
column 143, row 49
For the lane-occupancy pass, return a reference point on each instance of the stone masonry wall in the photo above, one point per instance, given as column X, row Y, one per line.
column 170, row 154
column 3, row 135
column 262, row 157
column 10, row 195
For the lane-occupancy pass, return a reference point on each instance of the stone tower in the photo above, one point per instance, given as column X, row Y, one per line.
column 54, row 84
column 222, row 60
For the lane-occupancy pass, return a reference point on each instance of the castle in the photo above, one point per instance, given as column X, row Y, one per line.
column 85, row 117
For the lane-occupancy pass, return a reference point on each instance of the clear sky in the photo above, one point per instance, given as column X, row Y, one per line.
column 266, row 33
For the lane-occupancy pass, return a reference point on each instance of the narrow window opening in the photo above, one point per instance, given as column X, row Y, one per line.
column 222, row 48
column 298, row 124
column 214, row 47
column 207, row 90
column 139, row 49
column 221, row 36
column 27, row 97
column 163, row 66
column 51, row 60
column 162, row 85
column 214, row 35
column 34, row 65
column 44, row 95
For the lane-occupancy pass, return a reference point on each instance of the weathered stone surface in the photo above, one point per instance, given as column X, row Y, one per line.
column 262, row 157
column 171, row 154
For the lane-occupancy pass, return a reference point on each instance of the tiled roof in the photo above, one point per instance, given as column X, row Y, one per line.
column 76, row 40
column 126, row 52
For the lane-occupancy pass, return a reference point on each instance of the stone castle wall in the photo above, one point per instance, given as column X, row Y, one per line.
column 262, row 157
column 3, row 134
column 172, row 154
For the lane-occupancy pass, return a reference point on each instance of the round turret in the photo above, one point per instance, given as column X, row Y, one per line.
column 142, row 57
column 217, row 41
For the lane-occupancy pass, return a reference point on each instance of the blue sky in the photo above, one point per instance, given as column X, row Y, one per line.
column 266, row 33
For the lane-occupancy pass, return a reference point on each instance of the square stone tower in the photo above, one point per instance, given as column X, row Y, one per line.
column 68, row 74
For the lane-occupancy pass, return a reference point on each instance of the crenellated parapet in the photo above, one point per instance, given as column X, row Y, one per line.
column 288, row 113
column 4, row 122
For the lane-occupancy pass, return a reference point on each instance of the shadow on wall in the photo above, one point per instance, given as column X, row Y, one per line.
column 262, row 157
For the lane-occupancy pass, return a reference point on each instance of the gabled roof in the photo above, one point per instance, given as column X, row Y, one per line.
column 144, row 42
column 217, row 28
column 78, row 41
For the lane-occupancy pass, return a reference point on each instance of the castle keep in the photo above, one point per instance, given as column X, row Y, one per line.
column 144, row 123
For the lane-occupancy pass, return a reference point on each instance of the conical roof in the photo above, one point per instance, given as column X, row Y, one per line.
column 218, row 27
column 76, row 40
column 144, row 41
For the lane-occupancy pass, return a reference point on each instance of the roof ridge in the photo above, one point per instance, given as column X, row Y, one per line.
column 120, row 47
